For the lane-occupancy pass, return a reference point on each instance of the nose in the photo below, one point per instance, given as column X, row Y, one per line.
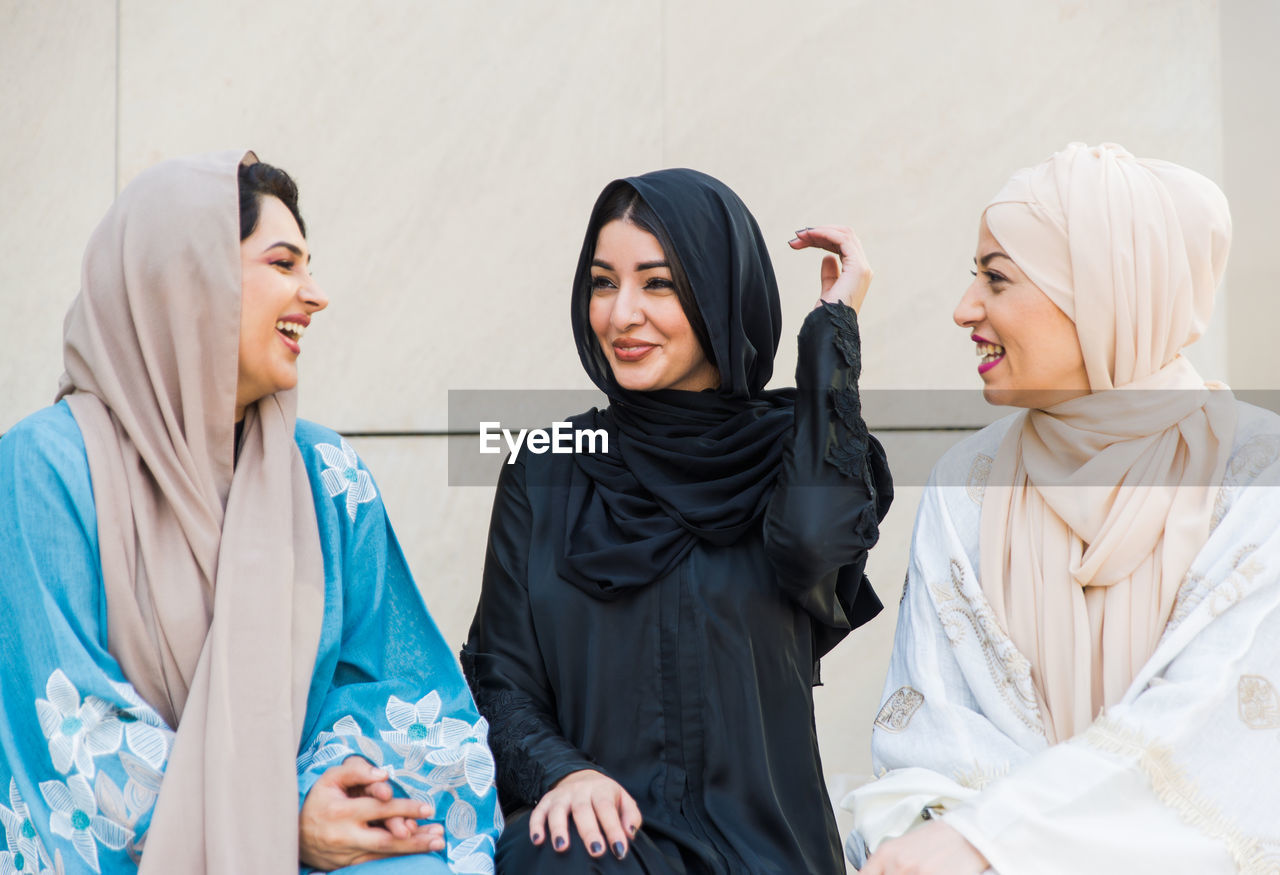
column 969, row 311
column 628, row 309
column 312, row 295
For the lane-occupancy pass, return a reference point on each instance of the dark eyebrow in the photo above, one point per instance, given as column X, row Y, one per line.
column 295, row 250
column 987, row 259
column 652, row 265
column 599, row 262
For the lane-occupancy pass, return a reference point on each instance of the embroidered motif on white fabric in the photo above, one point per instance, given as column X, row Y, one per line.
column 344, row 474
column 976, row 483
column 459, row 752
column 1246, row 573
column 1255, row 456
column 1175, row 789
column 1258, row 702
column 961, row 611
column 979, row 777
column 899, row 709
column 102, row 812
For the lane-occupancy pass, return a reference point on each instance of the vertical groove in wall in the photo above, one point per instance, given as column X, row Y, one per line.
column 115, row 173
column 662, row 79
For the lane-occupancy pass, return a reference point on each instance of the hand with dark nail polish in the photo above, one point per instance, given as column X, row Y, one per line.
column 561, row 843
column 596, row 849
column 619, row 850
column 536, row 838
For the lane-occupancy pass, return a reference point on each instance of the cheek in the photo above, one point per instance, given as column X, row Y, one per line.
column 598, row 312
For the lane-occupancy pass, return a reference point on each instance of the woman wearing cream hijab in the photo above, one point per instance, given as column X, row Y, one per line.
column 1086, row 669
column 216, row 659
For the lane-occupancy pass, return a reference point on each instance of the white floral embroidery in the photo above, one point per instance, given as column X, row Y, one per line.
column 344, row 474
column 77, row 733
column 144, row 729
column 75, row 817
column 474, row 856
column 458, row 750
column 26, row 853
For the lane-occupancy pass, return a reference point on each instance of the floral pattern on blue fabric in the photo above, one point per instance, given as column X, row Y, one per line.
column 76, row 732
column 89, row 814
column 456, row 750
column 25, row 851
column 344, row 474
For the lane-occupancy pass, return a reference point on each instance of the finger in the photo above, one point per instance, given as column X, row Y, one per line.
column 538, row 822
column 372, row 839
column 367, row 810
column 354, row 771
column 833, row 238
column 830, row 272
column 378, row 790
column 584, row 817
column 607, row 815
column 558, row 826
column 631, row 819
column 398, row 827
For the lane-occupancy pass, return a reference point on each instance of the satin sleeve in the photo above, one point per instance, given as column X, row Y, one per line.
column 504, row 664
column 834, row 485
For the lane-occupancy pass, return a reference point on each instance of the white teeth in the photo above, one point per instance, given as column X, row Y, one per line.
column 295, row 329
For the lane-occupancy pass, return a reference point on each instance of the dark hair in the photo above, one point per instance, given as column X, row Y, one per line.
column 624, row 203
column 263, row 180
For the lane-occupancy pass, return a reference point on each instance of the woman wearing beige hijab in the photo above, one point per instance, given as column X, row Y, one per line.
column 1085, row 672
column 216, row 659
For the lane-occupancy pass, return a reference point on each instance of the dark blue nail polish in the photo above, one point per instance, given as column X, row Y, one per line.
column 537, row 838
column 597, row 848
column 561, row 843
column 619, row 850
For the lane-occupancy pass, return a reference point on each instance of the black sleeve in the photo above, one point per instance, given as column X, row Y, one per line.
column 834, row 487
column 504, row 665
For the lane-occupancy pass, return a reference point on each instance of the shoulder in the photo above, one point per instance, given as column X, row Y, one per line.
column 336, row 472
column 1255, row 452
column 48, row 440
column 969, row 461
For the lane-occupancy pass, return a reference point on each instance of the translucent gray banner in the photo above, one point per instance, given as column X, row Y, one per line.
column 487, row 428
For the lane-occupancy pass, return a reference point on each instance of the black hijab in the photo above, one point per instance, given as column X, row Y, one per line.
column 681, row 465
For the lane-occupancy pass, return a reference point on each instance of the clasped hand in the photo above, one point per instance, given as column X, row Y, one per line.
column 350, row 816
column 932, row 849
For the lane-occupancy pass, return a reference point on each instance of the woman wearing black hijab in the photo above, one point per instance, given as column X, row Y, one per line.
column 652, row 616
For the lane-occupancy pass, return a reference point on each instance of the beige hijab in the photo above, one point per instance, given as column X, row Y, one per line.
column 213, row 575
column 1096, row 507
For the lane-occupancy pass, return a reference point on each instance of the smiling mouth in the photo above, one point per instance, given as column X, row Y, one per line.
column 991, row 354
column 632, row 352
column 292, row 333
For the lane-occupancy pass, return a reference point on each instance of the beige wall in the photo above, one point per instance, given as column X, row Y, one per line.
column 448, row 154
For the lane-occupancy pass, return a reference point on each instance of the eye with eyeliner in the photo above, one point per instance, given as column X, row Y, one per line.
column 601, row 283
column 659, row 284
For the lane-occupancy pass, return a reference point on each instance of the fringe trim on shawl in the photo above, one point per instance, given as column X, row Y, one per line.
column 1176, row 790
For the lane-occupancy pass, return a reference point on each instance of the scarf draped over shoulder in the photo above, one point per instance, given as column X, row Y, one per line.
column 211, row 565
column 1095, row 507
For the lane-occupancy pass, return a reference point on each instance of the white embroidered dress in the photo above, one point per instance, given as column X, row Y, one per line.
column 1181, row 775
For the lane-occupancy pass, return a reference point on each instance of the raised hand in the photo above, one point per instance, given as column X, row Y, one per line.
column 845, row 278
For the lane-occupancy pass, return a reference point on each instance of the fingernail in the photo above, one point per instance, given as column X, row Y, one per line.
column 379, row 774
column 560, row 843
column 794, row 240
column 619, row 850
column 537, row 838
column 424, row 810
column 632, row 829
column 801, row 231
column 596, row 848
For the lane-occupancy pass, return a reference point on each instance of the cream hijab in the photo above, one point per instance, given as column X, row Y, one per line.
column 1096, row 507
column 213, row 574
